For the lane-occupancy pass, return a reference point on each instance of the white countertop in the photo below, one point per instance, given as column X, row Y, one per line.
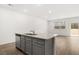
column 42, row 36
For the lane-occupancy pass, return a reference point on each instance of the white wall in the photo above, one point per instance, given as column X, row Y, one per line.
column 52, row 30
column 12, row 22
column 67, row 30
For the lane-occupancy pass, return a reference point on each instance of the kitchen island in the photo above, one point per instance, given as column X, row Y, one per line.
column 41, row 44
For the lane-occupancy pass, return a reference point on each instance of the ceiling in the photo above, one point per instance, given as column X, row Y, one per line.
column 46, row 11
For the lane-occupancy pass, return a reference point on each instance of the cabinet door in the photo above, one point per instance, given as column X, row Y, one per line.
column 18, row 41
column 23, row 43
column 38, row 50
column 38, row 47
column 28, row 45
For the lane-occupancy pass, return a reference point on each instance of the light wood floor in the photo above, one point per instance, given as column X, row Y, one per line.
column 67, row 45
column 9, row 49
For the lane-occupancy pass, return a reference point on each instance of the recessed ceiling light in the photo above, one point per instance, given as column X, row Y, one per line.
column 49, row 11
column 25, row 10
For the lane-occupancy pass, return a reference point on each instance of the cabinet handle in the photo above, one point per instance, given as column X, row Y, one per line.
column 38, row 45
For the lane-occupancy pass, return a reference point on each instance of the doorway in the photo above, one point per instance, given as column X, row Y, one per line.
column 74, row 31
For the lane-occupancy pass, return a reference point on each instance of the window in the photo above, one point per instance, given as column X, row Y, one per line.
column 59, row 25
column 74, row 25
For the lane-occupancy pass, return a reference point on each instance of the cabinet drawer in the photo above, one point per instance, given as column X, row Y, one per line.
column 41, row 46
column 39, row 41
column 28, row 45
column 22, row 37
column 22, row 43
column 28, row 51
column 38, row 50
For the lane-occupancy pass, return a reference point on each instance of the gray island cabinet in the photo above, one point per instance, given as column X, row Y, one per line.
column 18, row 37
column 34, row 45
column 28, row 45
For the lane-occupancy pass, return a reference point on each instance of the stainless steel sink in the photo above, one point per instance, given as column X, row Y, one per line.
column 30, row 34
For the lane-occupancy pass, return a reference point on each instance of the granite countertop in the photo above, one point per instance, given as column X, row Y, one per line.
column 41, row 36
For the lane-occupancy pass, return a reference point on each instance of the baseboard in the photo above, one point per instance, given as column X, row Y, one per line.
column 6, row 43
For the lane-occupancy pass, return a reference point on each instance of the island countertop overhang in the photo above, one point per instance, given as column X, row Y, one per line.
column 40, row 36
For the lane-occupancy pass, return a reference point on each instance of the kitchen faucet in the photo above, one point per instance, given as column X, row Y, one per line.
column 33, row 32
